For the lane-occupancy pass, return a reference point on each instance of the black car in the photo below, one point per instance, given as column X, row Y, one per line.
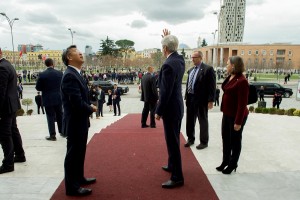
column 270, row 88
column 109, row 85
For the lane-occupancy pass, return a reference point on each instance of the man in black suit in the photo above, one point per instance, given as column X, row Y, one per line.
column 77, row 109
column 49, row 83
column 116, row 100
column 10, row 138
column 39, row 103
column 101, row 100
column 199, row 96
column 170, row 106
column 149, row 96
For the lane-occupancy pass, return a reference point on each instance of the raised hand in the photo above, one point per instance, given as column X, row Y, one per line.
column 166, row 32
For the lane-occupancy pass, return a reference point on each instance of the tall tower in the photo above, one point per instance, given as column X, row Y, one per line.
column 232, row 21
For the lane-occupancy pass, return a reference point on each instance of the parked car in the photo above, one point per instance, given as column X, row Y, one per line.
column 109, row 85
column 270, row 88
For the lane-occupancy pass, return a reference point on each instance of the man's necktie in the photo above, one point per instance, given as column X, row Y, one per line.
column 190, row 85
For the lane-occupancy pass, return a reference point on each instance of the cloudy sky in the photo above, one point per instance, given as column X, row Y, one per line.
column 142, row 21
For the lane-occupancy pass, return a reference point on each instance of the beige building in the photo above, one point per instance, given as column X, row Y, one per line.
column 256, row 56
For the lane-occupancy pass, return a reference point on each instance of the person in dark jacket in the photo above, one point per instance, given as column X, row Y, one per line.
column 277, row 98
column 101, row 100
column 217, row 96
column 10, row 138
column 48, row 83
column 39, row 103
column 116, row 98
column 261, row 93
column 235, row 112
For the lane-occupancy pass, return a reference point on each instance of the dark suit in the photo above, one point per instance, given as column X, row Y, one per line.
column 116, row 101
column 77, row 109
column 10, row 137
column 149, row 96
column 170, row 108
column 49, row 83
column 197, row 102
column 101, row 101
column 39, row 103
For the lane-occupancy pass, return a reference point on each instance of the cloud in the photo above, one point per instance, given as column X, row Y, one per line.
column 138, row 24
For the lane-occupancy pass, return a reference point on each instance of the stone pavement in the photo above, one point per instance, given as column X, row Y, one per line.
column 269, row 166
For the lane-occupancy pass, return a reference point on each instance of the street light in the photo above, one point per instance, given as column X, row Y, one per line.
column 11, row 23
column 214, row 34
column 71, row 33
column 218, row 14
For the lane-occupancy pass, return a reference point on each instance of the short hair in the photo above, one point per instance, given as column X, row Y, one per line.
column 49, row 62
column 66, row 53
column 238, row 63
column 200, row 53
column 171, row 42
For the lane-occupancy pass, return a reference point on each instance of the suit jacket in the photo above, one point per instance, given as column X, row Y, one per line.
column 148, row 87
column 76, row 104
column 102, row 96
column 49, row 83
column 170, row 104
column 205, row 85
column 38, row 100
column 117, row 93
column 235, row 98
column 9, row 101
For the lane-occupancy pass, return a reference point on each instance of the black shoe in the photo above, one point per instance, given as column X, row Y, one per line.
column 145, row 126
column 88, row 181
column 229, row 169
column 172, row 184
column 80, row 192
column 201, row 146
column 63, row 135
column 19, row 159
column 153, row 126
column 51, row 138
column 6, row 169
column 114, row 114
column 189, row 143
column 119, row 114
column 166, row 168
column 221, row 167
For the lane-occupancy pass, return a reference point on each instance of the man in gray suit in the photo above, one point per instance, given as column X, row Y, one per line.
column 149, row 96
column 199, row 96
column 10, row 138
column 49, row 83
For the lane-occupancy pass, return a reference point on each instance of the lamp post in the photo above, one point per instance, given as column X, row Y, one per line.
column 11, row 23
column 218, row 14
column 71, row 33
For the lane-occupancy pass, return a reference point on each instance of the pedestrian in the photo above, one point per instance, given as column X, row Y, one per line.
column 235, row 112
column 94, row 99
column 109, row 100
column 116, row 98
column 200, row 97
column 149, row 96
column 77, row 109
column 10, row 137
column 101, row 100
column 170, row 106
column 48, row 83
column 277, row 98
column 39, row 102
column 20, row 90
column 261, row 93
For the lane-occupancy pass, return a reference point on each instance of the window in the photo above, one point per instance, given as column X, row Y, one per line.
column 280, row 52
column 242, row 52
column 256, row 52
column 249, row 52
column 290, row 53
column 271, row 53
column 264, row 52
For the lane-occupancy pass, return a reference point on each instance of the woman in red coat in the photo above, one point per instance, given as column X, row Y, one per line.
column 235, row 112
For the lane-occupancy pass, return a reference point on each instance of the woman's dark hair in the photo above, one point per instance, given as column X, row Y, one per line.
column 66, row 54
column 238, row 64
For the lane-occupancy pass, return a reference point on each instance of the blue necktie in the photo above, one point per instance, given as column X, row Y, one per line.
column 190, row 84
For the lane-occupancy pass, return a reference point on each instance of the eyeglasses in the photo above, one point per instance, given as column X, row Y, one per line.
column 196, row 57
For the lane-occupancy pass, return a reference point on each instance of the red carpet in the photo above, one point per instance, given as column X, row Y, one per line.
column 127, row 160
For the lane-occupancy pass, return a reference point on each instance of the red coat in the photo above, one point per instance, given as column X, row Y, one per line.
column 235, row 98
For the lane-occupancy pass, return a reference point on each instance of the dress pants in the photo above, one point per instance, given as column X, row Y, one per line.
column 232, row 141
column 195, row 110
column 40, row 107
column 172, row 132
column 100, row 108
column 149, row 106
column 54, row 113
column 10, row 139
column 116, row 105
column 74, row 161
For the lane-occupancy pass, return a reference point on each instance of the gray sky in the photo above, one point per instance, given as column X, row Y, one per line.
column 142, row 21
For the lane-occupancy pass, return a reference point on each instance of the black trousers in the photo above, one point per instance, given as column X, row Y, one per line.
column 100, row 108
column 40, row 107
column 149, row 106
column 10, row 139
column 116, row 105
column 172, row 132
column 195, row 110
column 74, row 161
column 54, row 113
column 217, row 101
column 232, row 141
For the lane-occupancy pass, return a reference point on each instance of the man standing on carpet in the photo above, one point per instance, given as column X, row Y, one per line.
column 77, row 109
column 170, row 106
column 149, row 96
